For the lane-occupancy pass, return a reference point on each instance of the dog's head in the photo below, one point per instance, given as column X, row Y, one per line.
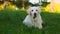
column 34, row 11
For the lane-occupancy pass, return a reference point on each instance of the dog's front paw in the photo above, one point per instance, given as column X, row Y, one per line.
column 40, row 27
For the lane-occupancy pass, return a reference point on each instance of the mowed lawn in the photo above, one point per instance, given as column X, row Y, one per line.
column 11, row 23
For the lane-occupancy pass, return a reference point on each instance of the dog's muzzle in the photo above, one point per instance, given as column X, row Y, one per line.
column 34, row 15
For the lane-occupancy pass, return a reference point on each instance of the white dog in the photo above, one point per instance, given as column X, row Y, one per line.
column 33, row 18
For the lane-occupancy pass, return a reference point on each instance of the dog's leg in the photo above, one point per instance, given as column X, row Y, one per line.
column 40, row 26
column 40, row 23
column 27, row 21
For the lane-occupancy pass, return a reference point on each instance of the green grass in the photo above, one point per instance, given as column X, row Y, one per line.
column 11, row 23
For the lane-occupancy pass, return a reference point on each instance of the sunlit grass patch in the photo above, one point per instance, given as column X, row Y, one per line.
column 1, row 7
column 8, row 6
column 56, row 8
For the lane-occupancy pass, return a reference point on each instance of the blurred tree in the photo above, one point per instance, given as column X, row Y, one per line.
column 1, row 2
column 21, row 3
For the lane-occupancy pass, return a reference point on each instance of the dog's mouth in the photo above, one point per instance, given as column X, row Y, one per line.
column 35, row 15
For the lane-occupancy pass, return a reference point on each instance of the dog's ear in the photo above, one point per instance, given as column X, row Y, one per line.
column 39, row 9
column 28, row 11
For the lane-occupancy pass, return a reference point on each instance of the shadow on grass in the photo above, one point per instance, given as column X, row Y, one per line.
column 11, row 23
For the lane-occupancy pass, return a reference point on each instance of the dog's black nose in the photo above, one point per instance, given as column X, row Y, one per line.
column 34, row 15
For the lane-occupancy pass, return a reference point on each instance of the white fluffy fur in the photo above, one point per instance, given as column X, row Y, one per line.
column 30, row 21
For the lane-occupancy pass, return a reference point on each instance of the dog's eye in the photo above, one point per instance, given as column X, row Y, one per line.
column 31, row 10
column 36, row 10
